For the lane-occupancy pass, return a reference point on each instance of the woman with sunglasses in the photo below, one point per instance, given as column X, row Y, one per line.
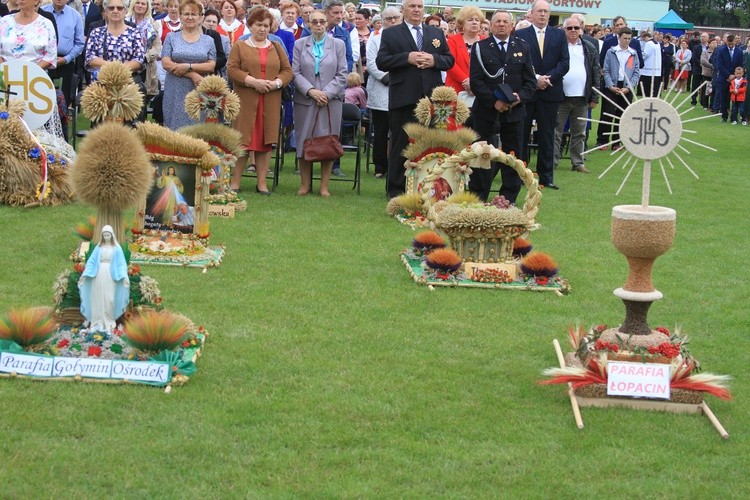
column 320, row 70
column 187, row 56
column 116, row 41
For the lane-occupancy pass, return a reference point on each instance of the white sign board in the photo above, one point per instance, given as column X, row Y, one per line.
column 32, row 85
column 24, row 364
column 85, row 367
column 638, row 380
column 141, row 370
column 222, row 211
column 46, row 366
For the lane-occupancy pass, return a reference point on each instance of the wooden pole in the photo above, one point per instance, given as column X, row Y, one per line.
column 714, row 420
column 571, row 393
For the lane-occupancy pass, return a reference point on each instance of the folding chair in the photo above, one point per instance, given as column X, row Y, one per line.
column 369, row 133
column 351, row 118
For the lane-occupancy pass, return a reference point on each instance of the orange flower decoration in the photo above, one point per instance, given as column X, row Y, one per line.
column 539, row 264
column 443, row 259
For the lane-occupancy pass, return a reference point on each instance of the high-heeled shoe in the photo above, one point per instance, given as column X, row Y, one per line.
column 264, row 193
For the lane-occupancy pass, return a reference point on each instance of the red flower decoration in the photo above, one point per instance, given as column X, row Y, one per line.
column 78, row 267
column 185, row 343
column 663, row 330
column 63, row 343
column 542, row 280
column 95, row 350
column 669, row 350
column 603, row 345
column 600, row 328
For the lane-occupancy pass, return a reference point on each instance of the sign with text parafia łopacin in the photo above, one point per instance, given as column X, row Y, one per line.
column 638, row 380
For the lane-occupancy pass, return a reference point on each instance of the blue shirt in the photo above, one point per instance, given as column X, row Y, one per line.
column 70, row 41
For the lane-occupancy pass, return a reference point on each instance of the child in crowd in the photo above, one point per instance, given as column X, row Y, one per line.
column 737, row 91
column 354, row 92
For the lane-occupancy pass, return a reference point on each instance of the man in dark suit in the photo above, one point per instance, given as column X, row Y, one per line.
column 91, row 14
column 549, row 53
column 610, row 41
column 726, row 59
column 695, row 64
column 496, row 60
column 414, row 55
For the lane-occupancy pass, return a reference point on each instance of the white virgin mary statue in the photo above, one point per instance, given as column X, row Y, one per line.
column 104, row 285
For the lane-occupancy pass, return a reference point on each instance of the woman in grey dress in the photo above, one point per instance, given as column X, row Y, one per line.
column 187, row 55
column 319, row 66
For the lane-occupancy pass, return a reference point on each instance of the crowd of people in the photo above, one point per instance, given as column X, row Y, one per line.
column 526, row 82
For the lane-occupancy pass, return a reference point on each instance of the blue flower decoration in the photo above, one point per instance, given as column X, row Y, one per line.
column 51, row 158
column 35, row 153
column 4, row 115
column 63, row 162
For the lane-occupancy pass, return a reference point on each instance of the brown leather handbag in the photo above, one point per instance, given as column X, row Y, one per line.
column 323, row 147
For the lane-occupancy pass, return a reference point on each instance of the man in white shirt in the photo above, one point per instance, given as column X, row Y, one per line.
column 651, row 71
column 582, row 75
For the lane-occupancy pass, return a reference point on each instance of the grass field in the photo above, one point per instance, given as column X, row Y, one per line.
column 329, row 373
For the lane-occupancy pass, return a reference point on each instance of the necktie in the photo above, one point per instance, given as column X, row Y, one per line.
column 502, row 49
column 540, row 38
column 419, row 36
column 85, row 9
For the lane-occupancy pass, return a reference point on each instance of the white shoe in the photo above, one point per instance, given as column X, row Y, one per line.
column 734, row 122
column 744, row 123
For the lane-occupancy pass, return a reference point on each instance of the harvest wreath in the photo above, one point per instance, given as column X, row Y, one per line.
column 431, row 263
column 586, row 365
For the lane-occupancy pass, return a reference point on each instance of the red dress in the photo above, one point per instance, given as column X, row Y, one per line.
column 257, row 143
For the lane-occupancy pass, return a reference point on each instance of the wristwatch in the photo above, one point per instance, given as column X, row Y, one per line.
column 278, row 84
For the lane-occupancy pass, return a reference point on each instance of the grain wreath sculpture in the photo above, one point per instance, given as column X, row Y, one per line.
column 481, row 233
column 213, row 105
column 113, row 96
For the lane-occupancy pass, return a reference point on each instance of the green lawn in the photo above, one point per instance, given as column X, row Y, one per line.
column 329, row 373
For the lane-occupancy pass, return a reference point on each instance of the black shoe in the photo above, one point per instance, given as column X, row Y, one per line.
column 551, row 185
column 264, row 193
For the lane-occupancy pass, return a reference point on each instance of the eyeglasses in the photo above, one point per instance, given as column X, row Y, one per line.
column 317, row 22
column 571, row 28
column 390, row 18
column 118, row 8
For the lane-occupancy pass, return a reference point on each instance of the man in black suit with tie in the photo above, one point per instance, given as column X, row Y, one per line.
column 549, row 53
column 414, row 55
column 496, row 60
column 91, row 14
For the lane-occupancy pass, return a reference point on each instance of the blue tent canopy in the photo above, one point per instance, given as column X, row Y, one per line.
column 672, row 20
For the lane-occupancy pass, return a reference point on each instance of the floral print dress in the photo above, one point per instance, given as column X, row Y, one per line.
column 32, row 42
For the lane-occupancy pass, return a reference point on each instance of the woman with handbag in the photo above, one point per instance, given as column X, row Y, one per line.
column 259, row 70
column 320, row 81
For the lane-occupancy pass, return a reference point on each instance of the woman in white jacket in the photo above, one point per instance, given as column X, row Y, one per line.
column 377, row 95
